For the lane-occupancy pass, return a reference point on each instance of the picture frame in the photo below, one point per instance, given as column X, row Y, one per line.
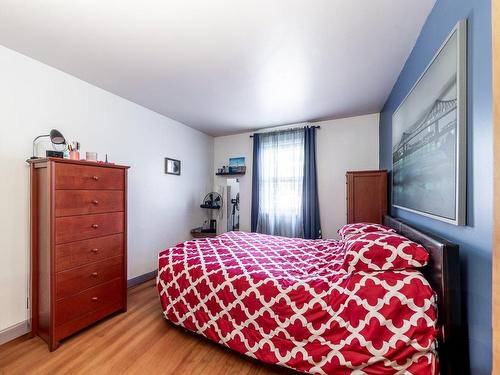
column 237, row 161
column 429, row 140
column 172, row 166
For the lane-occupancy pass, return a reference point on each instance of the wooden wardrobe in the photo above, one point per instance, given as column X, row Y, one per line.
column 366, row 196
column 78, row 245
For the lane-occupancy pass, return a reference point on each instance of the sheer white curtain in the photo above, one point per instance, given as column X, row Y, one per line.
column 281, row 182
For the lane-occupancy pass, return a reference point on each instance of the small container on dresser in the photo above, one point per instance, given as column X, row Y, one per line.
column 78, row 245
column 366, row 196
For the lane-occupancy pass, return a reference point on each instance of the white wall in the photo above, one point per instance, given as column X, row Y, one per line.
column 348, row 144
column 162, row 208
column 342, row 145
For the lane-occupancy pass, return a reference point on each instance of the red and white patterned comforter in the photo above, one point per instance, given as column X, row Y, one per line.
column 290, row 302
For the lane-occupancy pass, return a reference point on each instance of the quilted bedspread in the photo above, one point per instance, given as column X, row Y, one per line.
column 290, row 302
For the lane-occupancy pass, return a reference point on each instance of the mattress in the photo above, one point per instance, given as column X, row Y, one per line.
column 290, row 302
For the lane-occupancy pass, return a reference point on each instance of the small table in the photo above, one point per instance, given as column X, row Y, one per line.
column 197, row 233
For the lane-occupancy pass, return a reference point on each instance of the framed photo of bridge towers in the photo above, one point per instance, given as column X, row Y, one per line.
column 429, row 137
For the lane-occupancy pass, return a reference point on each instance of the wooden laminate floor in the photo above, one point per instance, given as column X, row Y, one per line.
column 139, row 341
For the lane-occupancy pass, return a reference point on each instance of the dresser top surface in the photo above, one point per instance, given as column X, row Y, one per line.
column 76, row 162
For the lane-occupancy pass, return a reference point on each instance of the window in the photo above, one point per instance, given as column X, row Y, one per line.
column 281, row 179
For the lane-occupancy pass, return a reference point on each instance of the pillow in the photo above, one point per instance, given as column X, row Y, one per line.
column 359, row 228
column 382, row 251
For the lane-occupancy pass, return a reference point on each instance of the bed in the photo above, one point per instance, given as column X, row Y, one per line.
column 292, row 302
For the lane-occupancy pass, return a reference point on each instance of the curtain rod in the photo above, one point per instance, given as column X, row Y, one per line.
column 289, row 129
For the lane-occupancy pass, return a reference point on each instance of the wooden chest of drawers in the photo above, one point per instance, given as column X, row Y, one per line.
column 78, row 245
column 366, row 196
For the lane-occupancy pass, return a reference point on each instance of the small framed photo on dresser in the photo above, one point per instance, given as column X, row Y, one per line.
column 172, row 166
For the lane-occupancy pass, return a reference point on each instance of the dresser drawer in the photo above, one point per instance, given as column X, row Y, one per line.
column 74, row 228
column 71, row 176
column 80, row 253
column 89, row 300
column 66, row 329
column 78, row 279
column 79, row 202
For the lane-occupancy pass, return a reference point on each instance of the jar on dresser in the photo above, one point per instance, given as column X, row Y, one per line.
column 78, row 245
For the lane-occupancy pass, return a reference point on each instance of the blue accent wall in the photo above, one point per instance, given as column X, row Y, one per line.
column 475, row 239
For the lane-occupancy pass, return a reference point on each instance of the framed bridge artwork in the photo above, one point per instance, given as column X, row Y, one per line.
column 429, row 139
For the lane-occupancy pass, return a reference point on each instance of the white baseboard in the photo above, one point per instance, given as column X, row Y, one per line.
column 14, row 331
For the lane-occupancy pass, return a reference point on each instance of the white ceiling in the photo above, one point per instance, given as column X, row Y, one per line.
column 225, row 66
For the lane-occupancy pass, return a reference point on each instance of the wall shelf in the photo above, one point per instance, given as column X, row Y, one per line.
column 230, row 174
column 210, row 207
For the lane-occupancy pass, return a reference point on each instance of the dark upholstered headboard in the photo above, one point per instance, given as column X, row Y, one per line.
column 443, row 273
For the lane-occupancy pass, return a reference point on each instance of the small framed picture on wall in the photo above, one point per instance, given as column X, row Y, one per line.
column 172, row 166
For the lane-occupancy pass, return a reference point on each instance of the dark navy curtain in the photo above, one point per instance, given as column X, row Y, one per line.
column 255, row 182
column 310, row 201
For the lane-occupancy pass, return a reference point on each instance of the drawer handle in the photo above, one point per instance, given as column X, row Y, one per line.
column 94, row 250
column 94, row 299
column 95, row 178
column 95, row 201
column 95, row 226
column 94, row 274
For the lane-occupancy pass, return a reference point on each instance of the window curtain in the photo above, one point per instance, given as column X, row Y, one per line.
column 310, row 201
column 255, row 182
column 281, row 176
column 284, row 186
